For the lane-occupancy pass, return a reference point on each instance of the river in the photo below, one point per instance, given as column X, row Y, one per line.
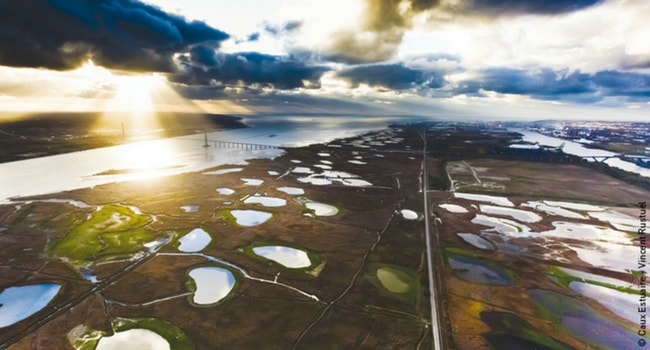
column 146, row 159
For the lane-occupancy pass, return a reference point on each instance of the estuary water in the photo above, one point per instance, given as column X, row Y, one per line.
column 578, row 149
column 147, row 159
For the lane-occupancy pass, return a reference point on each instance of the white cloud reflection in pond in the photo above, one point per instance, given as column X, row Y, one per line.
column 302, row 170
column 502, row 226
column 622, row 304
column 266, row 201
column 322, row 166
column 329, row 177
column 250, row 217
column 553, row 210
column 286, row 256
column 620, row 221
column 225, row 191
column 322, row 209
column 409, row 214
column 575, row 206
column 212, row 284
column 294, row 191
column 453, row 208
column 194, row 241
column 586, row 232
column 609, row 256
column 190, row 208
column 518, row 214
column 20, row 302
column 476, row 241
column 136, row 338
column 252, row 182
column 502, row 201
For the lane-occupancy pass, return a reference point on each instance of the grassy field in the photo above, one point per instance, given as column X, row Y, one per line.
column 113, row 231
column 544, row 180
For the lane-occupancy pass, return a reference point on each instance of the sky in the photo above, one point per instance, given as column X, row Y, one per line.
column 513, row 59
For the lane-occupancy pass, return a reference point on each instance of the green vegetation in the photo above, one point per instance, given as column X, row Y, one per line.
column 440, row 181
column 112, row 232
column 619, row 147
column 396, row 281
column 510, row 331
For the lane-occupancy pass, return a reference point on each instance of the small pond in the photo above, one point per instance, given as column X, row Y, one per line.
column 453, row 208
column 477, row 271
column 551, row 210
column 211, row 284
column 131, row 333
column 322, row 166
column 476, row 241
column 250, row 217
column 354, row 161
column 194, row 241
column 575, row 206
column 136, row 338
column 409, row 214
column 618, row 220
column 286, row 256
column 394, row 280
column 225, row 191
column 502, row 201
column 20, row 302
column 622, row 304
column 518, row 214
column 266, row 201
column 503, row 226
column 190, row 208
column 322, row 209
column 583, row 322
column 586, row 232
column 252, row 182
column 294, row 191
column 302, row 170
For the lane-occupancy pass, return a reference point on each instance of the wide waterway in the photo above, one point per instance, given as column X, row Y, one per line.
column 578, row 149
column 177, row 155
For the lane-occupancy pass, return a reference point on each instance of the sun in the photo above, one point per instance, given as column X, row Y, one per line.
column 134, row 101
column 134, row 93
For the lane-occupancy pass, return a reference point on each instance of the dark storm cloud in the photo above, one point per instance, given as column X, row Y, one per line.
column 125, row 34
column 385, row 22
column 558, row 85
column 392, row 76
column 542, row 7
column 545, row 82
column 623, row 83
column 250, row 68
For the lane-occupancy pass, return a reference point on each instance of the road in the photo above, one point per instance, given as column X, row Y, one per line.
column 436, row 324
